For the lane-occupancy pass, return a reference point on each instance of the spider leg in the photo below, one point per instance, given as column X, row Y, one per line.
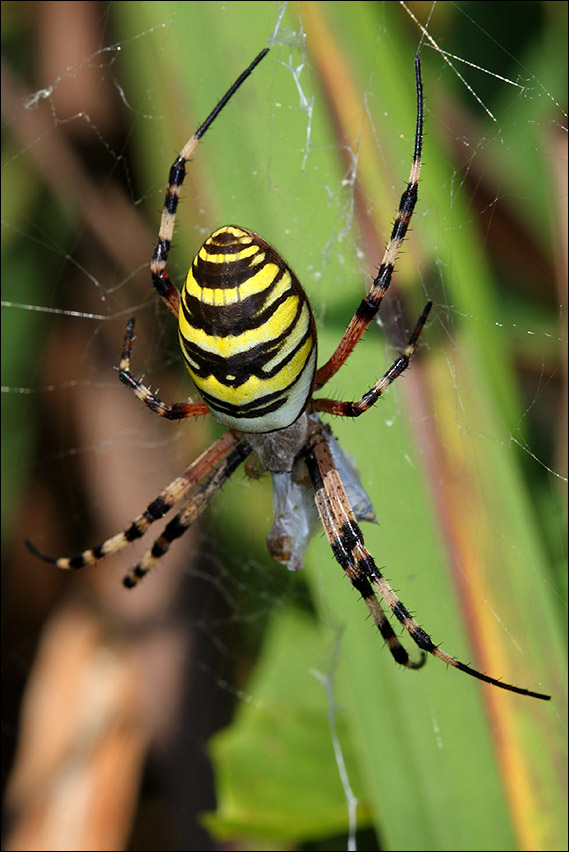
column 370, row 305
column 354, row 409
column 336, row 513
column 160, row 278
column 175, row 411
column 348, row 546
column 198, row 501
column 172, row 494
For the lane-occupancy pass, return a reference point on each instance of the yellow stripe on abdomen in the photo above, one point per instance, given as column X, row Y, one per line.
column 247, row 333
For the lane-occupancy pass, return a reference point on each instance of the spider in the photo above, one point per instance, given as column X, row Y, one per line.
column 248, row 338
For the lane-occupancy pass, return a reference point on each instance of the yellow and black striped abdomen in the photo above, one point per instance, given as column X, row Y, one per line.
column 247, row 333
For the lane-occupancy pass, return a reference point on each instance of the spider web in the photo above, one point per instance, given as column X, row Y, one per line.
column 313, row 154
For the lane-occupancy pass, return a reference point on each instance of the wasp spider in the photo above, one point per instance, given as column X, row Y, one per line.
column 248, row 338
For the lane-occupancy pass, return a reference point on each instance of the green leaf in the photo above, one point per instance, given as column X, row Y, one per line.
column 277, row 759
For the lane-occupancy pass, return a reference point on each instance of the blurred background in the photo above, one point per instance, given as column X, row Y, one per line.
column 226, row 703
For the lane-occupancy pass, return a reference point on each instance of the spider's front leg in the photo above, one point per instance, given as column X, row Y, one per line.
column 192, row 479
column 197, row 502
column 344, row 534
column 173, row 411
column 348, row 546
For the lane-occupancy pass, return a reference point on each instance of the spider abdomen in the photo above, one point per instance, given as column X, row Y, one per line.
column 247, row 333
